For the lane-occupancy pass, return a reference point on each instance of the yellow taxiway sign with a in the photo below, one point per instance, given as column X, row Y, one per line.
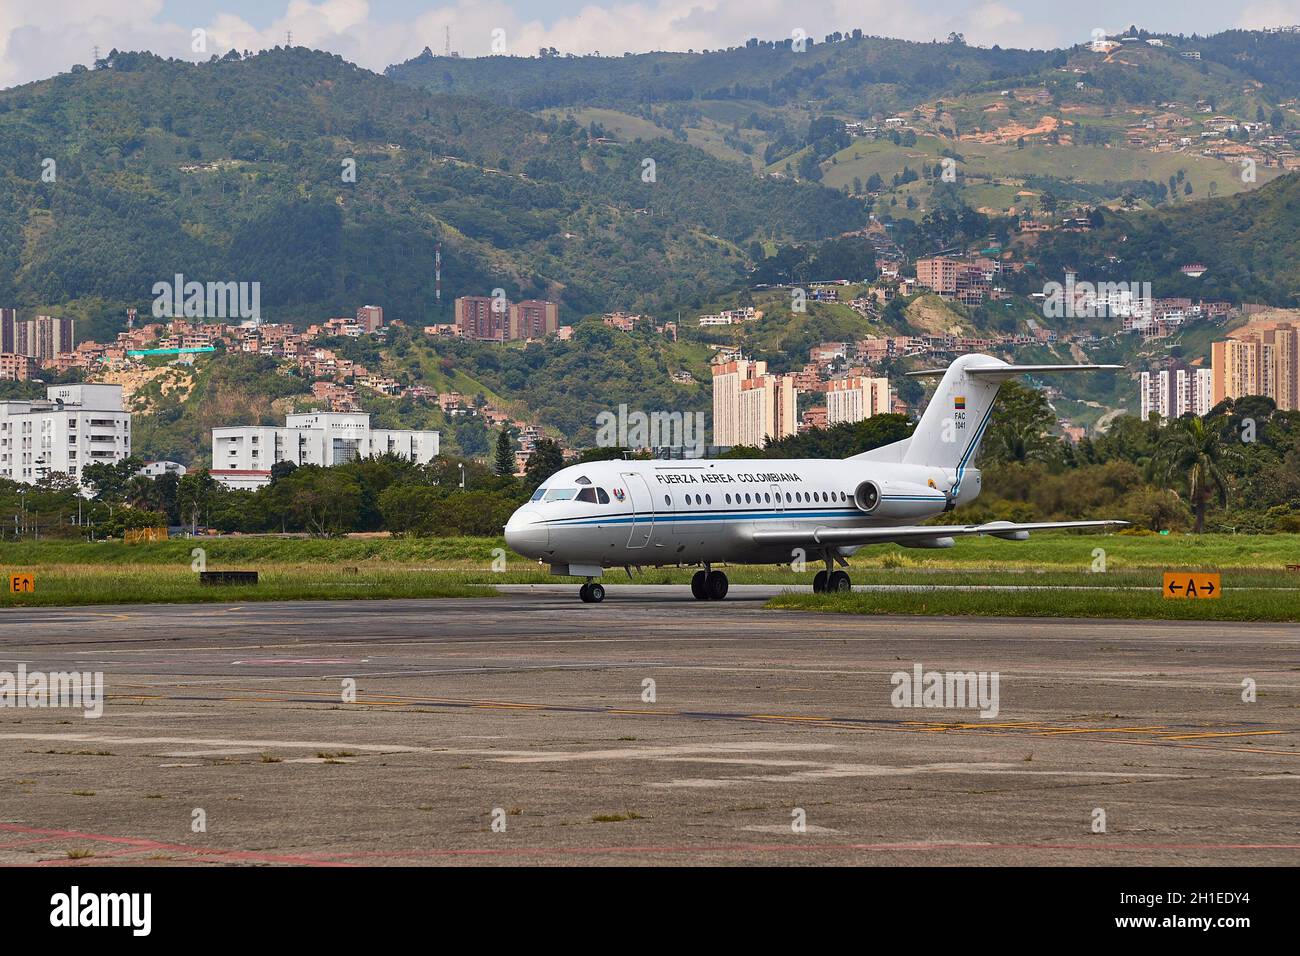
column 1191, row 584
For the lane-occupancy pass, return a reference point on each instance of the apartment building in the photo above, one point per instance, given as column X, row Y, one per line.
column 1259, row 359
column 855, row 398
column 370, row 318
column 242, row 455
column 16, row 368
column 963, row 281
column 751, row 406
column 41, row 338
column 487, row 319
column 533, row 319
column 74, row 426
column 477, row 319
column 1172, row 393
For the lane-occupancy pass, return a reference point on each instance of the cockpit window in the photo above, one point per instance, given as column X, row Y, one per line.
column 537, row 495
column 561, row 494
column 588, row 495
column 602, row 496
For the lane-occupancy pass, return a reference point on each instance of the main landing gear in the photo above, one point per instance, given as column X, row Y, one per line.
column 592, row 592
column 831, row 581
column 709, row 585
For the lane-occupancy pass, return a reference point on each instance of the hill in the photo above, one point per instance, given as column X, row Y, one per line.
column 238, row 170
column 1248, row 242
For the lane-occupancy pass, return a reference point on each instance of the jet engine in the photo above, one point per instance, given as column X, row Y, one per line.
column 898, row 499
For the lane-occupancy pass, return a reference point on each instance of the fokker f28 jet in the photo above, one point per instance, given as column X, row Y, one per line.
column 625, row 514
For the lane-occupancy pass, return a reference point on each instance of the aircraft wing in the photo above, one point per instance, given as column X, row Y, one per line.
column 910, row 533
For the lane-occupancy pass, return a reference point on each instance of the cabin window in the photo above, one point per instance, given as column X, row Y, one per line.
column 787, row 497
column 708, row 499
column 668, row 500
column 602, row 496
column 728, row 499
column 747, row 497
column 767, row 497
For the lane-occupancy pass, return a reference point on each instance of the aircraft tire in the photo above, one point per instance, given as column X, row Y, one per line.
column 584, row 592
column 819, row 583
column 716, row 585
column 595, row 592
column 839, row 583
column 698, row 586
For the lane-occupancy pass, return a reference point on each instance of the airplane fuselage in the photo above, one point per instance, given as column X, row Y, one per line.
column 685, row 512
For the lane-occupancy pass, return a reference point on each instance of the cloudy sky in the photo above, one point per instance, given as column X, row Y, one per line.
column 39, row 38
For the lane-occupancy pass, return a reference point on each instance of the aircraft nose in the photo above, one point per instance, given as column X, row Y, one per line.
column 526, row 534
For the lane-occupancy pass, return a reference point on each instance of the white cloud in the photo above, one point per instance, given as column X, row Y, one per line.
column 41, row 37
column 1271, row 13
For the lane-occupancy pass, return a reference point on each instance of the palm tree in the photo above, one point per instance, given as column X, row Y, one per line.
column 1194, row 447
column 141, row 493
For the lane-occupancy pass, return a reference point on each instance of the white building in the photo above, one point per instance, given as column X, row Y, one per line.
column 74, row 426
column 1172, row 393
column 751, row 406
column 856, row 398
column 156, row 469
column 242, row 455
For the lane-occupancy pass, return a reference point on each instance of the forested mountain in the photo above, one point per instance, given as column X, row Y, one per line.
column 1249, row 243
column 853, row 72
column 860, row 75
column 239, row 170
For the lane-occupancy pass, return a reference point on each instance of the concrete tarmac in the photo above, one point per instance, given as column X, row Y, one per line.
column 529, row 728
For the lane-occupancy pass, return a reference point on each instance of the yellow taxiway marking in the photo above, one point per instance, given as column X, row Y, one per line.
column 1239, row 733
column 1102, row 730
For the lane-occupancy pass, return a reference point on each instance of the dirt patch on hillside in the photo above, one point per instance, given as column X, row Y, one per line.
column 1011, row 132
column 137, row 391
column 933, row 315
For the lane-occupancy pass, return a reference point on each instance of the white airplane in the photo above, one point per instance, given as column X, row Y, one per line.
column 684, row 513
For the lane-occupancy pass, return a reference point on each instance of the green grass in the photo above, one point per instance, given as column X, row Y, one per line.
column 81, row 573
column 1003, row 161
column 70, row 585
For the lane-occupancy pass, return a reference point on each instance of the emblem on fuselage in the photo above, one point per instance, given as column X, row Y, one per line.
column 618, row 493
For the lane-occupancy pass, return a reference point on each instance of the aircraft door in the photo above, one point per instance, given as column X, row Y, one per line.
column 641, row 503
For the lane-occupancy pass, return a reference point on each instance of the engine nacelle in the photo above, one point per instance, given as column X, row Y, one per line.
column 898, row 499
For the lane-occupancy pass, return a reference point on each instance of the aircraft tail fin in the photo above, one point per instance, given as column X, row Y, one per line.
column 949, row 432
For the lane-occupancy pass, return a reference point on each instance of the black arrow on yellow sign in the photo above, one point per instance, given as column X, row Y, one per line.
column 1192, row 584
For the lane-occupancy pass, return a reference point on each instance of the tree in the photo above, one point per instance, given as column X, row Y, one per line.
column 324, row 501
column 194, row 494
column 505, row 455
column 282, row 469
column 1019, row 429
column 140, row 492
column 109, row 482
column 809, row 167
column 545, row 461
column 1194, row 448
